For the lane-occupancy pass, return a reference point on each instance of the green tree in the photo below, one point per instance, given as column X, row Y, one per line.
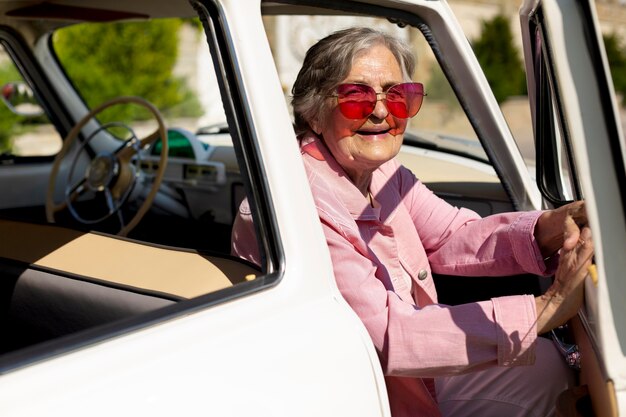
column 499, row 58
column 114, row 59
column 616, row 55
column 10, row 123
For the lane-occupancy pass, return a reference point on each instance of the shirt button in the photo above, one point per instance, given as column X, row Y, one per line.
column 422, row 274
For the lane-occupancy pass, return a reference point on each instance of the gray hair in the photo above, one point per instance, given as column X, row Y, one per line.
column 329, row 61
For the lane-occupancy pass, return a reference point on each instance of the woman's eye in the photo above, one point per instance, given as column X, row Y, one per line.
column 394, row 96
column 354, row 93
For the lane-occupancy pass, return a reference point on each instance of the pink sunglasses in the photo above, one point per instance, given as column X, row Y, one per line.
column 357, row 101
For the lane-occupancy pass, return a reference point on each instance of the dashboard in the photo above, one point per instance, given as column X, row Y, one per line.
column 201, row 178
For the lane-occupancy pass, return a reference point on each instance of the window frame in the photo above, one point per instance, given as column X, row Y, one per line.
column 551, row 129
column 247, row 155
column 33, row 75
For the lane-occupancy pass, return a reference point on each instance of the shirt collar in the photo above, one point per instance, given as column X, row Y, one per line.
column 322, row 161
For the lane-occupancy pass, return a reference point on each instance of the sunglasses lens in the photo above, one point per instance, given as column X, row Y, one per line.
column 356, row 101
column 404, row 100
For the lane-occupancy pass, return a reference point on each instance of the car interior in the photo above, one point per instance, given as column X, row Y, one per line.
column 106, row 225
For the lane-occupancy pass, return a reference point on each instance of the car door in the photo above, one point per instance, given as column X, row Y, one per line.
column 580, row 155
column 281, row 343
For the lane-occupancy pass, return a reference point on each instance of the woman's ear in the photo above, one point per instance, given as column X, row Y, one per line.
column 315, row 126
column 317, row 121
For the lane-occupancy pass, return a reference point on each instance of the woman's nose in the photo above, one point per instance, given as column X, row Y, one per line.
column 380, row 110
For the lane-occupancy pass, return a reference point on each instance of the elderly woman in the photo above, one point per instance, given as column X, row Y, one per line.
column 387, row 232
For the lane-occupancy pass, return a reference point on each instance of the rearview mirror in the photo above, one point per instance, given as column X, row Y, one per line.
column 20, row 99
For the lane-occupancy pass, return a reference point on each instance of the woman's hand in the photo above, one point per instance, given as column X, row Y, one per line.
column 563, row 299
column 549, row 228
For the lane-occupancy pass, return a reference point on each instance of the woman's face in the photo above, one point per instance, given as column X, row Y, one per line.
column 361, row 146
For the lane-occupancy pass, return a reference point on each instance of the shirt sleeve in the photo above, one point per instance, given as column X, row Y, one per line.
column 459, row 242
column 435, row 340
column 243, row 237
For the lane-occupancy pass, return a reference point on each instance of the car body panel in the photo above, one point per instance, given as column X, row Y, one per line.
column 299, row 318
column 597, row 139
column 281, row 340
column 190, row 371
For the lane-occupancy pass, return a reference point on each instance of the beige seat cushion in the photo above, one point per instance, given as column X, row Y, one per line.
column 120, row 261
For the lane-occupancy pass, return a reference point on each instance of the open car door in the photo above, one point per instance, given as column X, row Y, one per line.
column 580, row 155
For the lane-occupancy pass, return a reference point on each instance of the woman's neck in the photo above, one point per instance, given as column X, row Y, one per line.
column 362, row 181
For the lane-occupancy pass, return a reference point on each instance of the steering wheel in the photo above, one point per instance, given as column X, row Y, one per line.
column 113, row 174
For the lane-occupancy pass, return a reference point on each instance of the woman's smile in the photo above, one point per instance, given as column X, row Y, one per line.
column 374, row 134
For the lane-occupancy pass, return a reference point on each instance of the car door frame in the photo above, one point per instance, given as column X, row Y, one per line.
column 586, row 113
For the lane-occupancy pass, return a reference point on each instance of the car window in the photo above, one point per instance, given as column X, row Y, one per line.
column 441, row 119
column 167, row 63
column 25, row 130
column 556, row 173
column 441, row 146
column 121, row 224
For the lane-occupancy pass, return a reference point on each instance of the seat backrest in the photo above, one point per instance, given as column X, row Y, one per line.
column 55, row 281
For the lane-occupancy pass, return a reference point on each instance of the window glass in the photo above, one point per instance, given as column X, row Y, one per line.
column 108, row 176
column 557, row 176
column 441, row 112
column 24, row 128
column 166, row 62
column 493, row 32
column 441, row 120
column 441, row 146
column 566, row 179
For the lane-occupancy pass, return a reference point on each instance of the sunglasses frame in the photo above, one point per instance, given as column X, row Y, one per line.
column 346, row 112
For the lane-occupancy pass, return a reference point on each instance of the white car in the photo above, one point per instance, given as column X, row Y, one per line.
column 118, row 292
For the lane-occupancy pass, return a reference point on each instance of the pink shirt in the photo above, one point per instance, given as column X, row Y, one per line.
column 410, row 230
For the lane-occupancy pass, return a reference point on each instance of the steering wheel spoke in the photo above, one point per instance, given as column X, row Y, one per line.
column 129, row 149
column 77, row 190
column 151, row 138
column 114, row 205
column 112, row 173
column 73, row 193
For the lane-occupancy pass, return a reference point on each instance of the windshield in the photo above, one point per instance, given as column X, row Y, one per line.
column 171, row 53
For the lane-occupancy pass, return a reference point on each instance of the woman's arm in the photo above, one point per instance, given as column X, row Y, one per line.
column 441, row 340
column 460, row 242
column 434, row 340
